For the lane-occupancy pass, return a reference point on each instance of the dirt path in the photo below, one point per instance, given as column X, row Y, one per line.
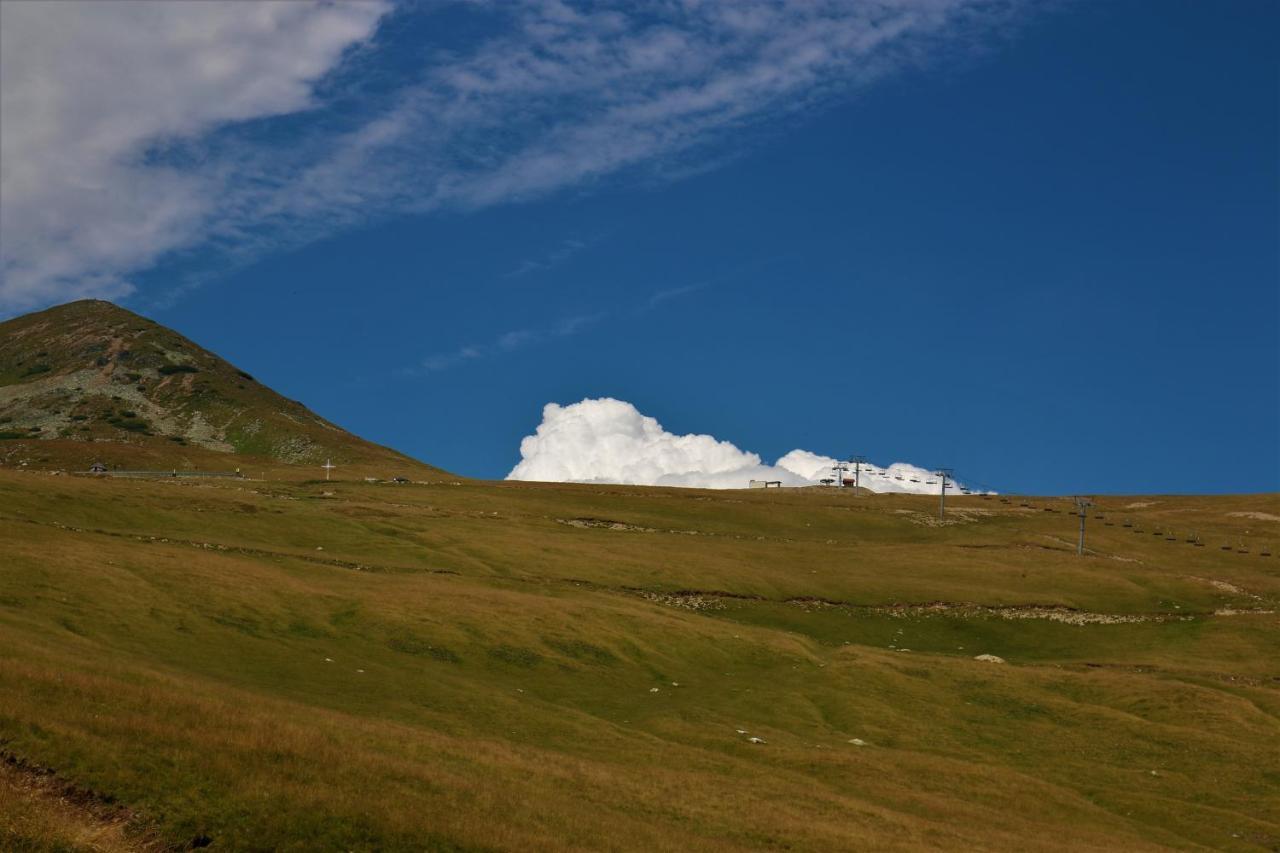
column 40, row 811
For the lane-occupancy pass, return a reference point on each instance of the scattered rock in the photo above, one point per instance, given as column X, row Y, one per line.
column 989, row 658
column 756, row 740
column 653, row 690
column 1050, row 612
column 684, row 600
column 604, row 524
column 857, row 741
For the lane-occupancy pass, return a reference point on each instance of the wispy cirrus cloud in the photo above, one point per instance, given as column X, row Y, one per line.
column 670, row 293
column 508, row 342
column 518, row 339
column 142, row 130
column 565, row 250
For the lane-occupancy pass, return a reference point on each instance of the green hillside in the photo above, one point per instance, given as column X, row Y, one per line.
column 90, row 381
column 300, row 665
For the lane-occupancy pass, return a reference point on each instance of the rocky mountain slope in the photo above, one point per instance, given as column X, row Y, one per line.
column 94, row 377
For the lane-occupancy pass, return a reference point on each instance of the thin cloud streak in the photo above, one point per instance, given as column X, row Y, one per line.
column 508, row 342
column 554, row 258
column 671, row 293
column 522, row 338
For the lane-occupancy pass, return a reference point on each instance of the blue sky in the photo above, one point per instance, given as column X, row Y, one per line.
column 1038, row 245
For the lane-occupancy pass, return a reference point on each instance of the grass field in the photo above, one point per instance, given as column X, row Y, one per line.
column 458, row 665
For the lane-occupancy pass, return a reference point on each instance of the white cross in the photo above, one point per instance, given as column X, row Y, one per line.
column 327, row 466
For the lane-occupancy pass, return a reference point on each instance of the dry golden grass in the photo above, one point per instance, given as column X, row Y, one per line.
column 459, row 669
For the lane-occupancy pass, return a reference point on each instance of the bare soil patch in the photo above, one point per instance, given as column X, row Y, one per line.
column 43, row 811
column 1257, row 516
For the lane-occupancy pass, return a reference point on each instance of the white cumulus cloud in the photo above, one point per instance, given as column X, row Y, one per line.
column 610, row 441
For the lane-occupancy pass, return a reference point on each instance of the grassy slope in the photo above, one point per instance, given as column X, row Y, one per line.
column 89, row 381
column 457, row 668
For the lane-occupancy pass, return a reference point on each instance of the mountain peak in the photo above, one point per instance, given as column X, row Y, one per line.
column 106, row 379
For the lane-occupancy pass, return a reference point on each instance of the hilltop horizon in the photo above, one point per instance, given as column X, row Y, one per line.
column 590, row 441
column 1032, row 243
